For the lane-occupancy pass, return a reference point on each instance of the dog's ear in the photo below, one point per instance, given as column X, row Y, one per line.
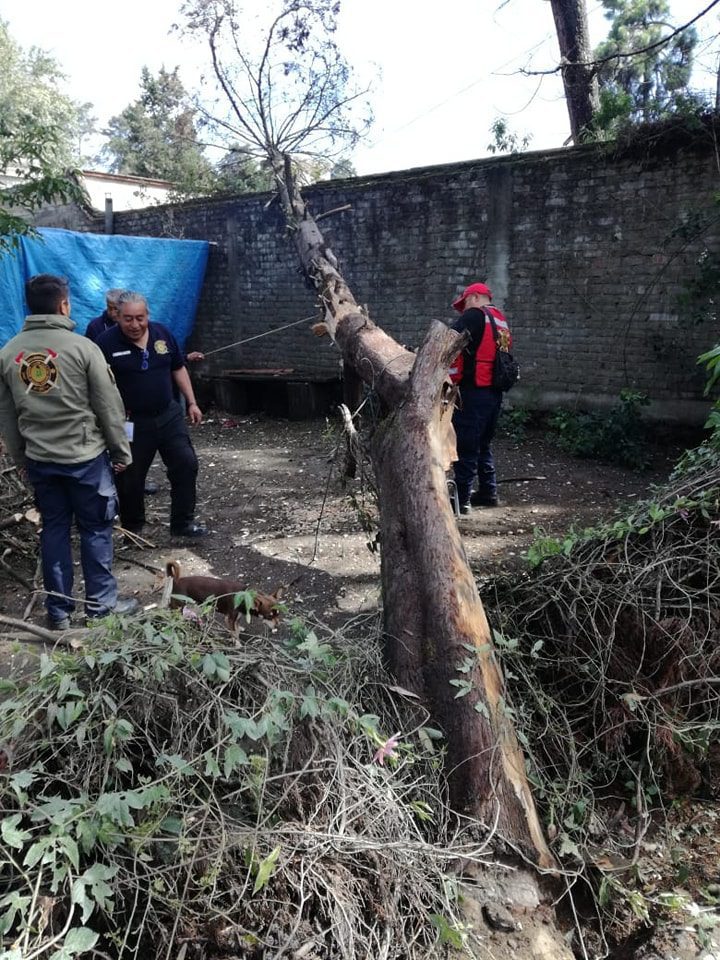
column 279, row 593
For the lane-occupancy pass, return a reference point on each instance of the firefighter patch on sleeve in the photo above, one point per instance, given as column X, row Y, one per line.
column 38, row 371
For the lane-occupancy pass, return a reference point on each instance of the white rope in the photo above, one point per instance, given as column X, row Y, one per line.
column 267, row 333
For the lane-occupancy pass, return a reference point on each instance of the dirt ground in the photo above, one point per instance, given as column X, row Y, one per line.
column 271, row 494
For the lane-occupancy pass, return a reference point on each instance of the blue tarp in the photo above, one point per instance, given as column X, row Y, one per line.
column 168, row 272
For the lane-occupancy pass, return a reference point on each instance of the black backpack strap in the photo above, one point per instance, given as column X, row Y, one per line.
column 491, row 318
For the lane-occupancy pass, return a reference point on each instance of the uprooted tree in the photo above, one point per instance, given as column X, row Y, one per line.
column 294, row 96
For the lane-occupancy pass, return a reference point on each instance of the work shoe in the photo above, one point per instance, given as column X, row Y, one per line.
column 124, row 607
column 478, row 499
column 465, row 509
column 189, row 530
column 62, row 624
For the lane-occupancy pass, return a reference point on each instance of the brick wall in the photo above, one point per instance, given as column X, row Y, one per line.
column 587, row 250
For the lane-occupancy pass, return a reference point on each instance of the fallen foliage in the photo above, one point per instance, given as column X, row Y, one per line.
column 611, row 652
column 168, row 791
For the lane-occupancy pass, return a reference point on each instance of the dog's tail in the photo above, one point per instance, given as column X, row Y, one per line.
column 172, row 569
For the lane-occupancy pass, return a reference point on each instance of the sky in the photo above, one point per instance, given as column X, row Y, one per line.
column 442, row 71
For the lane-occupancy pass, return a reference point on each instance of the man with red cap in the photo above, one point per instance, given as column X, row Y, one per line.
column 478, row 403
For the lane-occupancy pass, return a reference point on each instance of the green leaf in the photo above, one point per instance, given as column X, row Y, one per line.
column 16, row 906
column 235, row 757
column 208, row 665
column 568, row 847
column 69, row 713
column 21, row 780
column 481, row 708
column 92, row 889
column 467, row 665
column 47, row 666
column 433, row 733
column 244, row 726
column 222, row 666
column 464, row 688
column 309, row 706
column 37, row 852
column 176, row 761
column 172, row 825
column 265, row 870
column 447, row 933
column 212, row 768
column 12, row 836
column 79, row 940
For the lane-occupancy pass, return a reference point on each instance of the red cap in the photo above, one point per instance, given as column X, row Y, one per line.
column 459, row 304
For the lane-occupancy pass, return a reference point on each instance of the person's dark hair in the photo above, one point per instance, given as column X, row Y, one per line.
column 44, row 293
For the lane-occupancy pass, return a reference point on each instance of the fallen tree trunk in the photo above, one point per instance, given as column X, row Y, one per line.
column 438, row 641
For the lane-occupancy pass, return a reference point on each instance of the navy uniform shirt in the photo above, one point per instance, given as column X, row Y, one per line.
column 144, row 377
column 98, row 326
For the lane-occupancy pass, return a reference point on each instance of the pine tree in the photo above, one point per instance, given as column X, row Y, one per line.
column 652, row 84
column 156, row 136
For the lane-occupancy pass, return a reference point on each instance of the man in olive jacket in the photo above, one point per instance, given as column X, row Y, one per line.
column 64, row 424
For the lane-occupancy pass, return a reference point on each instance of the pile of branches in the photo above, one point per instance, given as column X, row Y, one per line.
column 611, row 647
column 18, row 524
column 170, row 792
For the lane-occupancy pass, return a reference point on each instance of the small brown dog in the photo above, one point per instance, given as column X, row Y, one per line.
column 199, row 589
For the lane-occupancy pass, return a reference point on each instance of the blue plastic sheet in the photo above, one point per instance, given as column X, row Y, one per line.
column 169, row 273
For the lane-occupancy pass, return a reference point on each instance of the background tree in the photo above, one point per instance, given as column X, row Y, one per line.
column 579, row 78
column 342, row 169
column 505, row 140
column 84, row 129
column 239, row 172
column 652, row 84
column 37, row 123
column 156, row 136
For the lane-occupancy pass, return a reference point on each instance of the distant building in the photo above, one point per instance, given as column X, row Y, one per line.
column 126, row 192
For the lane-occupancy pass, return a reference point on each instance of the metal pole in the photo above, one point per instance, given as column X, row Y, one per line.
column 108, row 214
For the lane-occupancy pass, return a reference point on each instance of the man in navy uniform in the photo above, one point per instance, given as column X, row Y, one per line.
column 62, row 420
column 148, row 363
column 106, row 320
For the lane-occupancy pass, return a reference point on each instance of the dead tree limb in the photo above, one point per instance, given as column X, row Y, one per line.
column 436, row 628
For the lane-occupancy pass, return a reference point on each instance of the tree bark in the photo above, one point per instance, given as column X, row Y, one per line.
column 579, row 80
column 436, row 629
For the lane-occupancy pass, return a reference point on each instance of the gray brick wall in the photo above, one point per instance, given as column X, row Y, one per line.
column 585, row 248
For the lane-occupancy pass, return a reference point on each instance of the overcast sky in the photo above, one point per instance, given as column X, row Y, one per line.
column 445, row 70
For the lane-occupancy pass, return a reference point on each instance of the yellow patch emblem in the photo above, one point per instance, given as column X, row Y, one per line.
column 161, row 346
column 38, row 371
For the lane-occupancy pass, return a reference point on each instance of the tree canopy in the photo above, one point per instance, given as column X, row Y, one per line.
column 38, row 129
column 156, row 136
column 653, row 83
column 281, row 85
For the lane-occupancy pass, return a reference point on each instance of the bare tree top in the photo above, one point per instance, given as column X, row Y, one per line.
column 280, row 83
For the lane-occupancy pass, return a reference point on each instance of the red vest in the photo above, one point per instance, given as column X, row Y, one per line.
column 485, row 353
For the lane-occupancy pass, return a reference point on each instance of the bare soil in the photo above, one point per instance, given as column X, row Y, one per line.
column 280, row 514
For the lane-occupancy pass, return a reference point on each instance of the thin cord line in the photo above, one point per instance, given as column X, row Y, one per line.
column 257, row 336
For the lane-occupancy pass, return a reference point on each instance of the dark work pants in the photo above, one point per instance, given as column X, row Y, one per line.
column 166, row 434
column 475, row 420
column 85, row 491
